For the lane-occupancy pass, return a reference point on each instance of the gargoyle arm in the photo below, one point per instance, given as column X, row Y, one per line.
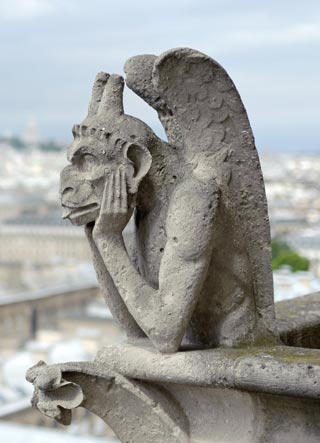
column 110, row 293
column 164, row 313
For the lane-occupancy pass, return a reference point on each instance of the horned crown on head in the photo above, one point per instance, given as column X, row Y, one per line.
column 107, row 98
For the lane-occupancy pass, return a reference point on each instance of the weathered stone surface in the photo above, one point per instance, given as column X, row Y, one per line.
column 201, row 271
column 222, row 395
column 298, row 321
column 54, row 396
column 136, row 411
column 279, row 370
column 203, row 362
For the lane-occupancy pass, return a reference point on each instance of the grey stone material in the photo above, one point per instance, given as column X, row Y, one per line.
column 203, row 360
column 136, row 411
column 217, row 395
column 298, row 321
column 279, row 370
column 54, row 396
column 200, row 273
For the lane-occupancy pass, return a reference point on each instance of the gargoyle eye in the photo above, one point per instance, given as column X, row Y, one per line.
column 86, row 161
column 89, row 158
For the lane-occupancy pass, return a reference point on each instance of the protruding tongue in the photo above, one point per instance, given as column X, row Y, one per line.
column 66, row 212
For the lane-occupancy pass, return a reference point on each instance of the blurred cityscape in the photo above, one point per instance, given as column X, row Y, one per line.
column 50, row 305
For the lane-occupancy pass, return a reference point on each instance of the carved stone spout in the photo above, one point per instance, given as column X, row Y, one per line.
column 136, row 411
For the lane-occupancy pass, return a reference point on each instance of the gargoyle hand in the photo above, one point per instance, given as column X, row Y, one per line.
column 115, row 212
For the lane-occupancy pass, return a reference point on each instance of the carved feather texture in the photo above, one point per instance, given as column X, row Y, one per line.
column 202, row 112
column 210, row 114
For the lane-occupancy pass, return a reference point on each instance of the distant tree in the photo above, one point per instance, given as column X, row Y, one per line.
column 16, row 142
column 278, row 247
column 282, row 255
column 50, row 146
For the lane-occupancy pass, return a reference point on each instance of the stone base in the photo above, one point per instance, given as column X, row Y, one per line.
column 232, row 416
column 219, row 395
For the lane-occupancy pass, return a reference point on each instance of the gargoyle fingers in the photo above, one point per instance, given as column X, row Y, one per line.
column 123, row 190
column 117, row 192
column 107, row 196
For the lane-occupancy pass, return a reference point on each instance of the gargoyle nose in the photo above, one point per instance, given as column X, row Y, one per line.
column 66, row 191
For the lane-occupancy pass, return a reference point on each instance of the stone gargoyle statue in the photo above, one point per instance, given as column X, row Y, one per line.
column 198, row 275
column 200, row 271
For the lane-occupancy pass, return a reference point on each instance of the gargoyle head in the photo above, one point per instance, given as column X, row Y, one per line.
column 53, row 396
column 104, row 141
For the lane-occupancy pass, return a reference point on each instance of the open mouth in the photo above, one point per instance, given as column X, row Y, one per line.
column 78, row 212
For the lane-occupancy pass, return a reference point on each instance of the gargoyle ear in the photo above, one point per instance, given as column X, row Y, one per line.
column 141, row 159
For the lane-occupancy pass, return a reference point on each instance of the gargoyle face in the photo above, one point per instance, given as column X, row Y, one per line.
column 82, row 182
column 93, row 156
column 102, row 143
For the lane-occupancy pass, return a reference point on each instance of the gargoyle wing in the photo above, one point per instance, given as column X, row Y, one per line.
column 209, row 113
column 139, row 70
column 202, row 112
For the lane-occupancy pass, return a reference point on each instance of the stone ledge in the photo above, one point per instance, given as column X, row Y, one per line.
column 278, row 370
column 298, row 321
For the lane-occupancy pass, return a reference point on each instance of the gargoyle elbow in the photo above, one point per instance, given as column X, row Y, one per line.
column 166, row 346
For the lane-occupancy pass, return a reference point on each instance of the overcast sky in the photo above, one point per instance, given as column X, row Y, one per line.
column 52, row 49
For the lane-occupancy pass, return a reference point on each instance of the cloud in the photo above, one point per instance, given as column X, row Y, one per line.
column 269, row 36
column 17, row 10
column 53, row 48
